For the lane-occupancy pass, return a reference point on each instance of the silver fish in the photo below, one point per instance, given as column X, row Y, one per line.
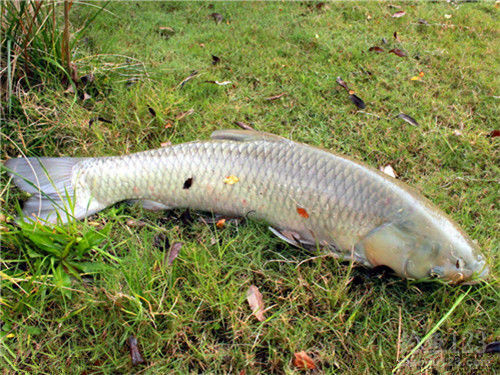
column 310, row 197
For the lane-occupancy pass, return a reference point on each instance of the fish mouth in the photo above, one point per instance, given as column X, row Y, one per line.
column 471, row 277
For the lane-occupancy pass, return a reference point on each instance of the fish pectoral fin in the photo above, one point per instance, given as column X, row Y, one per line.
column 152, row 205
column 241, row 135
column 292, row 238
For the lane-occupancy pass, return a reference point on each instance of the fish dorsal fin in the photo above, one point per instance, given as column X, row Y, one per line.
column 241, row 135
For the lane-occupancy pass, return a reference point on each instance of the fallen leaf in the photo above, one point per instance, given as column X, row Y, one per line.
column 215, row 60
column 416, row 78
column 161, row 241
column 87, row 78
column 166, row 144
column 70, row 90
column 493, row 347
column 494, row 133
column 174, row 252
column 217, row 17
column 220, row 223
column 223, row 83
column 410, row 120
column 181, row 115
column 384, row 41
column 254, row 298
column 135, row 355
column 423, row 22
column 342, row 83
column 396, row 36
column 388, row 170
column 167, row 29
column 302, row 212
column 457, row 133
column 302, row 361
column 401, row 13
column 376, row 49
column 243, row 125
column 152, row 111
column 398, row 52
column 189, row 77
column 135, row 223
column 231, row 180
column 276, row 96
column 168, row 125
column 357, row 101
column 447, row 16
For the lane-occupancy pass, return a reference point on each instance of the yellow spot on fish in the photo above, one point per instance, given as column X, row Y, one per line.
column 231, row 180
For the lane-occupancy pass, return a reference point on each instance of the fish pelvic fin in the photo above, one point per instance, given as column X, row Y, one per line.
column 241, row 135
column 49, row 180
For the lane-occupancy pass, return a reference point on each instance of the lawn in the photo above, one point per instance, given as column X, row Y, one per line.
column 192, row 315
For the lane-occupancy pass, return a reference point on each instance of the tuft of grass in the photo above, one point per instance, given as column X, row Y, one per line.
column 192, row 316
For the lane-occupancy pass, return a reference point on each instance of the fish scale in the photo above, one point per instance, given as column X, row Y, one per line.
column 309, row 197
column 293, row 178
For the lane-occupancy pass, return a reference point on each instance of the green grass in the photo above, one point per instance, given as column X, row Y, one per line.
column 193, row 316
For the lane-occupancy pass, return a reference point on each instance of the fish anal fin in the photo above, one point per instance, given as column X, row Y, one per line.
column 241, row 135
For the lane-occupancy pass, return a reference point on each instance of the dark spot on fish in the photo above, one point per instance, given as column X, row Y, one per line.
column 188, row 183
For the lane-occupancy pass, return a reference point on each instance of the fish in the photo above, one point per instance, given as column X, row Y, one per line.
column 310, row 197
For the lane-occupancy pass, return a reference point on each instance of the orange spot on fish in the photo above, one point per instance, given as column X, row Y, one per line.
column 302, row 212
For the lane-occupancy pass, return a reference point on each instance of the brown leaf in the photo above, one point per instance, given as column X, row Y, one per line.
column 181, row 115
column 302, row 361
column 398, row 52
column 220, row 223
column 217, row 17
column 302, row 212
column 410, row 120
column 183, row 82
column 494, row 133
column 396, row 36
column 492, row 347
column 254, row 298
column 135, row 223
column 342, row 83
column 376, row 49
column 135, row 355
column 161, row 241
column 276, row 96
column 243, row 125
column 357, row 101
column 401, row 13
column 174, row 252
column 166, row 29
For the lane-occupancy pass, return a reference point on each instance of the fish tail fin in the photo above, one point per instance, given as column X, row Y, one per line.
column 50, row 182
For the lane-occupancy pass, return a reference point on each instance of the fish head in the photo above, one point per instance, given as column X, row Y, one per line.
column 425, row 250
